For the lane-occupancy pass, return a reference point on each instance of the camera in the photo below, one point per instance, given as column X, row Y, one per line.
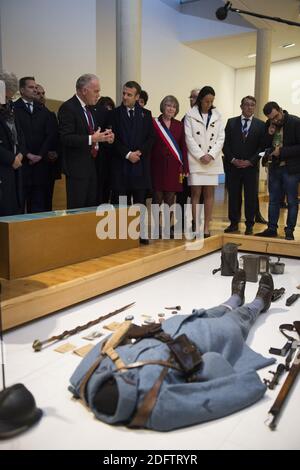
column 267, row 158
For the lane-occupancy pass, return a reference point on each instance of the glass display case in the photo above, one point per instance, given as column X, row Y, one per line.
column 33, row 243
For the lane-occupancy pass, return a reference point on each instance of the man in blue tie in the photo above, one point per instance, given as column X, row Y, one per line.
column 243, row 140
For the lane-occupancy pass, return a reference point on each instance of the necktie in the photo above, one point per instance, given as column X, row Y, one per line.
column 89, row 116
column 29, row 107
column 244, row 128
column 131, row 114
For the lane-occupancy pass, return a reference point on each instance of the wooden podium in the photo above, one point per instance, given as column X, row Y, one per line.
column 34, row 243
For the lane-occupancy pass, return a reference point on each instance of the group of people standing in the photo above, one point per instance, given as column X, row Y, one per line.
column 108, row 152
column 29, row 157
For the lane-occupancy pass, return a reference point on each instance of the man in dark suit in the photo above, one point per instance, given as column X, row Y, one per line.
column 80, row 142
column 54, row 155
column 39, row 136
column 135, row 135
column 11, row 150
column 243, row 140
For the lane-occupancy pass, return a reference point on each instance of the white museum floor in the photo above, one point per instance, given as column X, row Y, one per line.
column 66, row 424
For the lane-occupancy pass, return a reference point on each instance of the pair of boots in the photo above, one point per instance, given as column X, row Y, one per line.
column 265, row 288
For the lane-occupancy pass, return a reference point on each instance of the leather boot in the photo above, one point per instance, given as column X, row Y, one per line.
column 265, row 290
column 238, row 285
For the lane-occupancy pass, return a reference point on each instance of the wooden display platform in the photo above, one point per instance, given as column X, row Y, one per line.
column 35, row 296
column 35, row 245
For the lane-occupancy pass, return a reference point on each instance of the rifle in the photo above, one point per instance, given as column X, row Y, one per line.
column 289, row 381
column 38, row 345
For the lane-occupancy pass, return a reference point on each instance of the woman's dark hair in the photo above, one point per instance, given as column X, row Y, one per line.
column 206, row 90
column 144, row 96
column 107, row 102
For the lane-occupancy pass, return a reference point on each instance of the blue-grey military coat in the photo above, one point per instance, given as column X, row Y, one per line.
column 226, row 382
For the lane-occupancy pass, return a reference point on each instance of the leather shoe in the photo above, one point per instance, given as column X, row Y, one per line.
column 289, row 235
column 238, row 284
column 231, row 228
column 144, row 241
column 249, row 231
column 267, row 233
column 207, row 235
column 260, row 220
column 265, row 290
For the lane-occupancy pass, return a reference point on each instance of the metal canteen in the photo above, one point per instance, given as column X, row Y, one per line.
column 276, row 268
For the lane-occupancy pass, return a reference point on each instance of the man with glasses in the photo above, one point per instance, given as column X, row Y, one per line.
column 283, row 138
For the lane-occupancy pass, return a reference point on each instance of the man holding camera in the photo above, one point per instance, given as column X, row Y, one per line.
column 283, row 137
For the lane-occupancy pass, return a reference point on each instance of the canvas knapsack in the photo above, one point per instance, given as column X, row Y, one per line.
column 229, row 260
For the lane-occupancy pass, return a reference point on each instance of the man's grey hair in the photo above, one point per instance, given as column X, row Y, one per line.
column 10, row 80
column 84, row 80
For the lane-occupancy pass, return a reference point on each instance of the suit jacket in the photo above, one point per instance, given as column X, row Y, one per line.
column 40, row 136
column 236, row 147
column 10, row 179
column 126, row 175
column 74, row 131
column 55, row 167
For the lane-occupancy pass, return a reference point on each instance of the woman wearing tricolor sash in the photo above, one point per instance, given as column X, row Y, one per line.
column 169, row 163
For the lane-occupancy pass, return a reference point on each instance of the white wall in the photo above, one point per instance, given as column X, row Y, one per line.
column 284, row 85
column 169, row 67
column 106, row 46
column 58, row 40
column 53, row 40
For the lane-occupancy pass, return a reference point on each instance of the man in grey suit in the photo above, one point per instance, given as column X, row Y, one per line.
column 243, row 140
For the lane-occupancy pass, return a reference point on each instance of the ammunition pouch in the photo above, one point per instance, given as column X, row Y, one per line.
column 186, row 354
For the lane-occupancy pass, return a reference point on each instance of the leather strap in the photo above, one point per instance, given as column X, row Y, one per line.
column 114, row 356
column 87, row 377
column 140, row 418
column 134, row 365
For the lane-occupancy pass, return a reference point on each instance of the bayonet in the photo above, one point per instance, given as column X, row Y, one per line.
column 38, row 345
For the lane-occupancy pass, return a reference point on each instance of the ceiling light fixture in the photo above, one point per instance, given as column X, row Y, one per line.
column 250, row 56
column 285, row 46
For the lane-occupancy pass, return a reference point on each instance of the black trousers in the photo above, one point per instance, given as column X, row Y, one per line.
column 81, row 192
column 237, row 180
column 135, row 196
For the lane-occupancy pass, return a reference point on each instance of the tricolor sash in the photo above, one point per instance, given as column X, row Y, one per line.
column 168, row 138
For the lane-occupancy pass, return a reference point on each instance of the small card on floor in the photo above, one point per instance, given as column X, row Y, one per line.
column 84, row 350
column 112, row 326
column 93, row 335
column 64, row 348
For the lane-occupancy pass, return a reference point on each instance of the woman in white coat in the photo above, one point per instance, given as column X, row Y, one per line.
column 204, row 133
